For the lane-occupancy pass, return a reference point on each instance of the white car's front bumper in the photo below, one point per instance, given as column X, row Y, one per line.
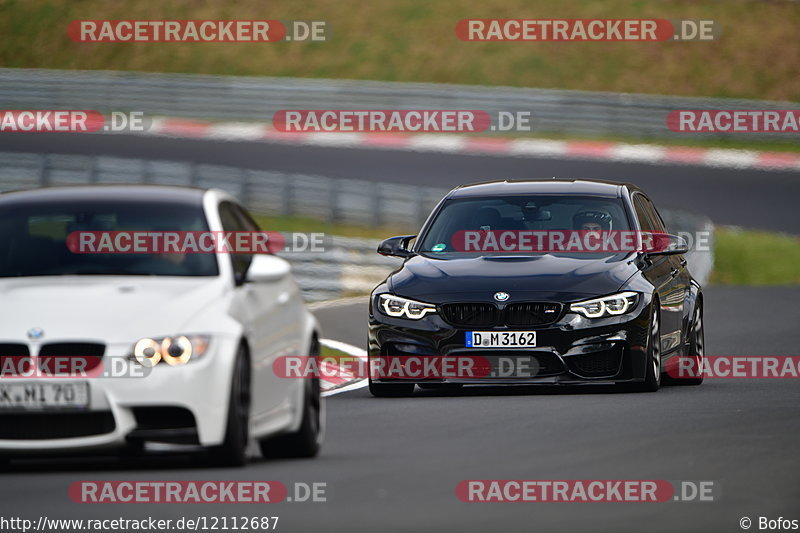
column 202, row 386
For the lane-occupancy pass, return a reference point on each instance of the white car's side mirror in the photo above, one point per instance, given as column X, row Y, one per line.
column 266, row 268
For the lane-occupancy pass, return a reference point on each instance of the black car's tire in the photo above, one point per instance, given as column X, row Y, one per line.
column 697, row 345
column 391, row 390
column 233, row 450
column 652, row 380
column 307, row 440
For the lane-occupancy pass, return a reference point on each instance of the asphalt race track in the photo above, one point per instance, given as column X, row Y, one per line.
column 748, row 197
column 393, row 464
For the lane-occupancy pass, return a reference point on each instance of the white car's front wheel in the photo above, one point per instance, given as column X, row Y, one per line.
column 233, row 451
column 307, row 440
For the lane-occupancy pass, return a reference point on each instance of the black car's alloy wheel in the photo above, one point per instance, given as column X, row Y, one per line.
column 697, row 346
column 652, row 380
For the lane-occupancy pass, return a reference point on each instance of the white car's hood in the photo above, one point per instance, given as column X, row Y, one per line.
column 108, row 308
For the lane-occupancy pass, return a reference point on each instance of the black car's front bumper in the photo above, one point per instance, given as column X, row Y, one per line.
column 571, row 350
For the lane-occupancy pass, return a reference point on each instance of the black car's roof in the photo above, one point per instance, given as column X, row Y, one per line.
column 106, row 193
column 538, row 186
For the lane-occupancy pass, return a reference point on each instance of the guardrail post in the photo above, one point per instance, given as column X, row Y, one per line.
column 147, row 172
column 420, row 214
column 288, row 195
column 193, row 174
column 244, row 187
column 377, row 204
column 93, row 174
column 44, row 170
column 335, row 215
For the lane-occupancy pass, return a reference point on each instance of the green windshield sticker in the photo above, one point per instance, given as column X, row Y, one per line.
column 438, row 247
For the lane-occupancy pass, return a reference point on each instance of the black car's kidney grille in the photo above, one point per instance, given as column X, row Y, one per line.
column 471, row 314
column 532, row 313
column 487, row 315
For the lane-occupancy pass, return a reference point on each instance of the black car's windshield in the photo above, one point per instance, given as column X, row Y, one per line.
column 33, row 239
column 483, row 226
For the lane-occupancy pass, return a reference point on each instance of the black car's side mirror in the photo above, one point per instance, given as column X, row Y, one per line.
column 668, row 244
column 396, row 246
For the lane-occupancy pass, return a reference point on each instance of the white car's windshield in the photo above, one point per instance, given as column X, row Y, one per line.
column 33, row 239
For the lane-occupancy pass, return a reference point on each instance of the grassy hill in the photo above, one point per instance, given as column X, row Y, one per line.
column 757, row 55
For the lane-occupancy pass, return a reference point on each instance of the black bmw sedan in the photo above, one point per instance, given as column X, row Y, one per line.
column 535, row 282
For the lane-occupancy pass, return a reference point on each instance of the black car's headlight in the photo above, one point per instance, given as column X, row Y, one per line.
column 177, row 350
column 398, row 307
column 614, row 305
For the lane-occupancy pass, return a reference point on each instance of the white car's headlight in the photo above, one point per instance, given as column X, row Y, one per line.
column 614, row 305
column 396, row 306
column 177, row 350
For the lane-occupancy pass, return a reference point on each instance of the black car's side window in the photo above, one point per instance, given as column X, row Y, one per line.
column 658, row 223
column 645, row 223
column 231, row 221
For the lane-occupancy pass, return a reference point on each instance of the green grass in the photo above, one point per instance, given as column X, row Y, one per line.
column 756, row 56
column 755, row 258
column 327, row 352
column 741, row 257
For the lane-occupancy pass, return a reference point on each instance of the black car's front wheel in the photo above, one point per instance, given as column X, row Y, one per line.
column 652, row 379
column 696, row 349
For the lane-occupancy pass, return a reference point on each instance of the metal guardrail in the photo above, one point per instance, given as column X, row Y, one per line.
column 348, row 265
column 336, row 200
column 258, row 98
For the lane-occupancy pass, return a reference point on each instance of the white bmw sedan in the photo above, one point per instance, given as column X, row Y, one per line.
column 179, row 347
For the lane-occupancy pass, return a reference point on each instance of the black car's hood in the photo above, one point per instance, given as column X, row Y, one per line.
column 543, row 277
